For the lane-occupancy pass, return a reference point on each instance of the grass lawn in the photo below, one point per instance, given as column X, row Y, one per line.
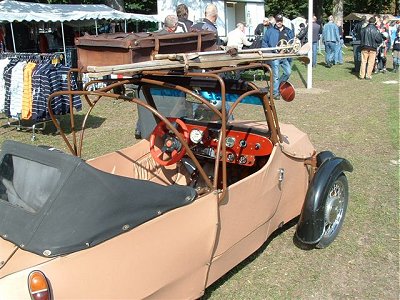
column 355, row 119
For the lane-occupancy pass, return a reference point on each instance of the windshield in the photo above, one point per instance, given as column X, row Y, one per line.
column 174, row 103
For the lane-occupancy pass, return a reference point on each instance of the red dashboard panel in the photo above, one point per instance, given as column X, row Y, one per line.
column 241, row 147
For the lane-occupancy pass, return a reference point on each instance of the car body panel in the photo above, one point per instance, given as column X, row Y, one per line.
column 147, row 273
column 7, row 249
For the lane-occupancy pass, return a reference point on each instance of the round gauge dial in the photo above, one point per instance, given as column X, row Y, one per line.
column 196, row 136
column 230, row 142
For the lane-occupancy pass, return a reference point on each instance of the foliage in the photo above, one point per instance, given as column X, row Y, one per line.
column 133, row 6
column 289, row 8
column 295, row 8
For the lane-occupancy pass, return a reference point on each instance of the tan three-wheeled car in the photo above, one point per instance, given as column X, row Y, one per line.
column 169, row 215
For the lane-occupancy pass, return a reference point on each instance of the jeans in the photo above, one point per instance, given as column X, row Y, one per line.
column 330, row 48
column 338, row 53
column 314, row 54
column 286, row 71
column 396, row 60
column 357, row 56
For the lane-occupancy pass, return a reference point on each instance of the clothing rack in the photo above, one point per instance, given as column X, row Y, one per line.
column 32, row 56
column 38, row 122
column 37, row 126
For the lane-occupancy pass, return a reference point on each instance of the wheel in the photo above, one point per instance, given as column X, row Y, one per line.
column 170, row 149
column 335, row 210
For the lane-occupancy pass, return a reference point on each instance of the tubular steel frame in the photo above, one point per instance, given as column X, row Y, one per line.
column 142, row 78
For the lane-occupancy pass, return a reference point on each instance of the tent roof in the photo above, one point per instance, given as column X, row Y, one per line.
column 11, row 11
column 358, row 16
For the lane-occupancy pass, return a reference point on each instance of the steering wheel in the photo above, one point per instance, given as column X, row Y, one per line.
column 172, row 149
column 284, row 44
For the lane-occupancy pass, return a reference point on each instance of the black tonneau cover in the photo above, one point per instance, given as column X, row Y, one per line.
column 83, row 207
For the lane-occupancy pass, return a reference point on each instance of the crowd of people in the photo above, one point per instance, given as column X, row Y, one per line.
column 373, row 34
column 377, row 39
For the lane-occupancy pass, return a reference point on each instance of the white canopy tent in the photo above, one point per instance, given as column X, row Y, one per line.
column 15, row 11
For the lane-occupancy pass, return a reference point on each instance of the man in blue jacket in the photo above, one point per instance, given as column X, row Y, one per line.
column 271, row 39
column 330, row 35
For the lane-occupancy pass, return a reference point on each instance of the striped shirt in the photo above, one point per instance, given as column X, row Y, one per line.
column 16, row 89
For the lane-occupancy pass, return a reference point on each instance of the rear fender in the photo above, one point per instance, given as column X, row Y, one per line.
column 310, row 227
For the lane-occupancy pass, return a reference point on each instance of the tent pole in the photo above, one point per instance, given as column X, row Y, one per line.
column 310, row 53
column 95, row 25
column 63, row 39
column 125, row 25
column 13, row 38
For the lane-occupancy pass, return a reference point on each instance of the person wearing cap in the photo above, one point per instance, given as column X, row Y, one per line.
column 170, row 25
column 330, row 35
column 270, row 40
column 237, row 38
column 371, row 38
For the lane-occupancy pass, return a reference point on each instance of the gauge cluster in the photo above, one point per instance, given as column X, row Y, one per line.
column 242, row 146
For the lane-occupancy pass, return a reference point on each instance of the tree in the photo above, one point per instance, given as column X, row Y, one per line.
column 337, row 10
column 116, row 4
column 289, row 8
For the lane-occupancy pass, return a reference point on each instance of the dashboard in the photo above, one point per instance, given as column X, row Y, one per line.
column 243, row 145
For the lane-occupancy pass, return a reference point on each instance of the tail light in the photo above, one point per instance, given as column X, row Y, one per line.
column 38, row 286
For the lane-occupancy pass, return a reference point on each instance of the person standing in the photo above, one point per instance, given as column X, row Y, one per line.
column 371, row 38
column 271, row 39
column 316, row 30
column 302, row 35
column 237, row 38
column 339, row 46
column 209, row 22
column 170, row 25
column 262, row 27
column 184, row 24
column 356, row 43
column 330, row 35
column 396, row 51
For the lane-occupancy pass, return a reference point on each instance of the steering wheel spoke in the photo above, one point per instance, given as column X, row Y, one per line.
column 172, row 144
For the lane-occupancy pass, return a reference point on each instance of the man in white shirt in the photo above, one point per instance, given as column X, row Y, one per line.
column 237, row 38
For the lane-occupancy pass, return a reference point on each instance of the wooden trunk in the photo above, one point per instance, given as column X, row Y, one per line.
column 127, row 48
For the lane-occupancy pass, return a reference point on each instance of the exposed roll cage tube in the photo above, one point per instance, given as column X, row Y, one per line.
column 268, row 104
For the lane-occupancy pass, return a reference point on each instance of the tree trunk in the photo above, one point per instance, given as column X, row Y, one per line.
column 338, row 10
column 318, row 9
column 116, row 4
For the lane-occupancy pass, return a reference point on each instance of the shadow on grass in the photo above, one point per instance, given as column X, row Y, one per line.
column 252, row 257
column 92, row 122
column 46, row 127
column 301, row 75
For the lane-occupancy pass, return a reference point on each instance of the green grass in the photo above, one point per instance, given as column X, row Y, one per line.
column 356, row 119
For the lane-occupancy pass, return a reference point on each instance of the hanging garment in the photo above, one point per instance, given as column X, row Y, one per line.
column 16, row 89
column 7, row 80
column 3, row 63
column 27, row 95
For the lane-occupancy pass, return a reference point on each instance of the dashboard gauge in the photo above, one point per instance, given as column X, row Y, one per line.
column 196, row 136
column 230, row 142
column 242, row 160
column 230, row 157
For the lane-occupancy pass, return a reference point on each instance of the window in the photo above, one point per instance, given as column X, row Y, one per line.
column 26, row 184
